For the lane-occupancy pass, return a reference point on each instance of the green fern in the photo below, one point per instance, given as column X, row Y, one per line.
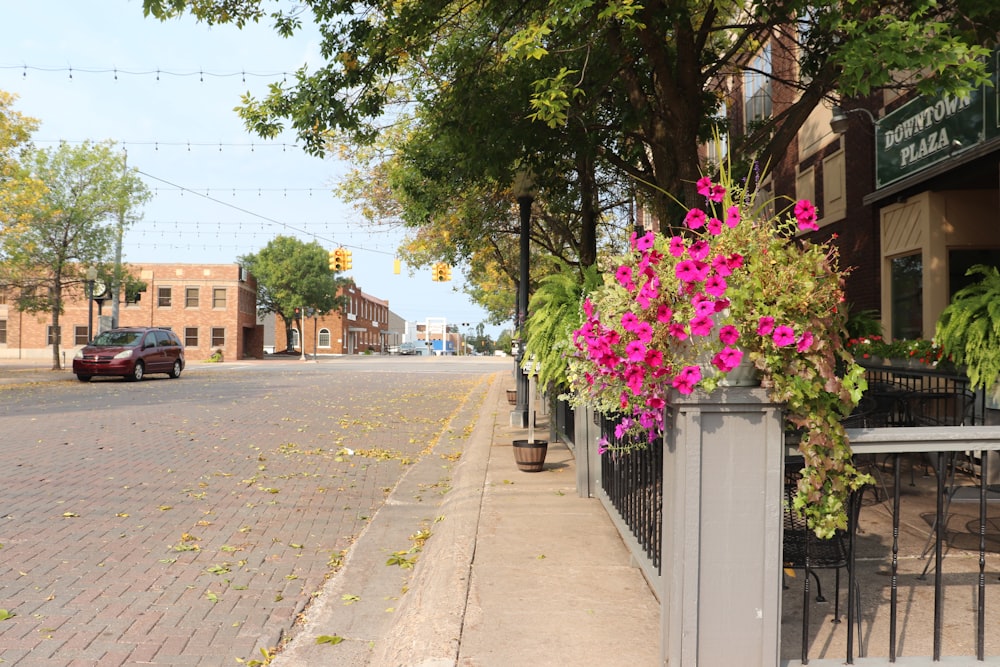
column 555, row 312
column 969, row 327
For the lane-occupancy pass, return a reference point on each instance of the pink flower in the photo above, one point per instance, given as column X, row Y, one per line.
column 677, row 330
column 646, row 242
column 635, row 351
column 695, row 218
column 718, row 193
column 629, row 321
column 704, row 186
column 699, row 249
column 805, row 213
column 677, row 246
column 624, row 277
column 703, row 305
column 690, row 271
column 654, row 358
column 714, row 226
column 720, row 264
column 685, row 381
column 655, row 402
column 729, row 334
column 727, row 359
column 765, row 326
column 701, row 325
column 783, row 335
column 735, row 261
column 663, row 313
column 733, row 216
column 805, row 342
column 644, row 331
column 716, row 285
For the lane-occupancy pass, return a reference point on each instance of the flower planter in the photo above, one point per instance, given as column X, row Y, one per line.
column 512, row 396
column 530, row 456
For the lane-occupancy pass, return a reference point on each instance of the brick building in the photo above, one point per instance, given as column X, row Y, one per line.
column 210, row 306
column 363, row 327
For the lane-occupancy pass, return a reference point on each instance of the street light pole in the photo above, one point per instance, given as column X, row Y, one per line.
column 91, row 277
column 524, row 192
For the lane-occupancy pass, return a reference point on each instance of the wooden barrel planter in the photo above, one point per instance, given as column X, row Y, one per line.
column 530, row 456
column 512, row 396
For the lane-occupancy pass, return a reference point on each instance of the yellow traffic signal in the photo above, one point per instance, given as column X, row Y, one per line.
column 441, row 272
column 337, row 260
column 348, row 260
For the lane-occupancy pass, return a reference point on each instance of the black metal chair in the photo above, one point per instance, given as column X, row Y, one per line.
column 803, row 550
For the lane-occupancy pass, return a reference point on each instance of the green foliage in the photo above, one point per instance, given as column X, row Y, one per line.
column 555, row 310
column 969, row 327
column 863, row 323
column 293, row 274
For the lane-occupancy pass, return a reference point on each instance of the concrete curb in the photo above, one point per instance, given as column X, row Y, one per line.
column 428, row 629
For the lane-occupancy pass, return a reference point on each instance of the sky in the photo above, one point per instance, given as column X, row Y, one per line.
column 165, row 93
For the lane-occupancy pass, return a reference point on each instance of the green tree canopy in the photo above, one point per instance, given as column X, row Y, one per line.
column 292, row 274
column 70, row 227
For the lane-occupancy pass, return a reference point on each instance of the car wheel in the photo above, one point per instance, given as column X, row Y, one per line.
column 83, row 378
column 175, row 372
column 137, row 372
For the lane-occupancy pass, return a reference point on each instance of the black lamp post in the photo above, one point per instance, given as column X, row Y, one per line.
column 91, row 277
column 524, row 191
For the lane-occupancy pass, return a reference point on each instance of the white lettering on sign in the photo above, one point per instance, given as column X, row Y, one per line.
column 918, row 150
column 924, row 121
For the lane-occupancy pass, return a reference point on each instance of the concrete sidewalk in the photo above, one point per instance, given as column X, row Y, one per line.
column 519, row 570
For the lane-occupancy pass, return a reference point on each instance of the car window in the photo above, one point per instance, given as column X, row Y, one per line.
column 163, row 339
column 118, row 339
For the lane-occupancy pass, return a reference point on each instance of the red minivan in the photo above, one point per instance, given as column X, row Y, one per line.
column 131, row 353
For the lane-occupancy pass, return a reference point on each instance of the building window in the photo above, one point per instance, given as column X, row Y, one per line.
column 218, row 336
column 3, row 332
column 757, row 88
column 190, row 297
column 163, row 297
column 80, row 335
column 960, row 261
column 52, row 335
column 219, row 297
column 190, row 336
column 324, row 338
column 295, row 337
column 907, row 296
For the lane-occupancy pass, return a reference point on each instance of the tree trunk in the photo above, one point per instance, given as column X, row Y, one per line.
column 56, row 301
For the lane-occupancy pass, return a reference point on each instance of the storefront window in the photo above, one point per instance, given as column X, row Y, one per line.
column 959, row 261
column 907, row 297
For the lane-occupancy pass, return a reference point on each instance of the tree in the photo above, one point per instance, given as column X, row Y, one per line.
column 18, row 190
column 645, row 80
column 70, row 227
column 292, row 276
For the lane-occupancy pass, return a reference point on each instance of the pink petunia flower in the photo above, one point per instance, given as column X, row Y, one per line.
column 635, row 351
column 716, row 285
column 765, row 325
column 629, row 321
column 805, row 213
column 701, row 325
column 727, row 359
column 783, row 335
column 691, row 271
column 663, row 313
column 654, row 358
column 646, row 242
column 699, row 249
column 729, row 334
column 677, row 330
column 805, row 342
column 718, row 193
column 733, row 216
column 695, row 218
column 677, row 246
column 685, row 381
column 714, row 226
column 704, row 186
column 624, row 277
column 644, row 331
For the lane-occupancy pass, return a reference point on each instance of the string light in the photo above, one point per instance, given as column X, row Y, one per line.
column 115, row 71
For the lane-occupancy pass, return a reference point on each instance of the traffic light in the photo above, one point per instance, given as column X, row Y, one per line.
column 337, row 260
column 348, row 261
column 441, row 272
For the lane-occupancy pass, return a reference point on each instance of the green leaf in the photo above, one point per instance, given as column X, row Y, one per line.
column 329, row 639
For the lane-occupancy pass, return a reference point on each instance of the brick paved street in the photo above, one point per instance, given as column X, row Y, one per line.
column 190, row 521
